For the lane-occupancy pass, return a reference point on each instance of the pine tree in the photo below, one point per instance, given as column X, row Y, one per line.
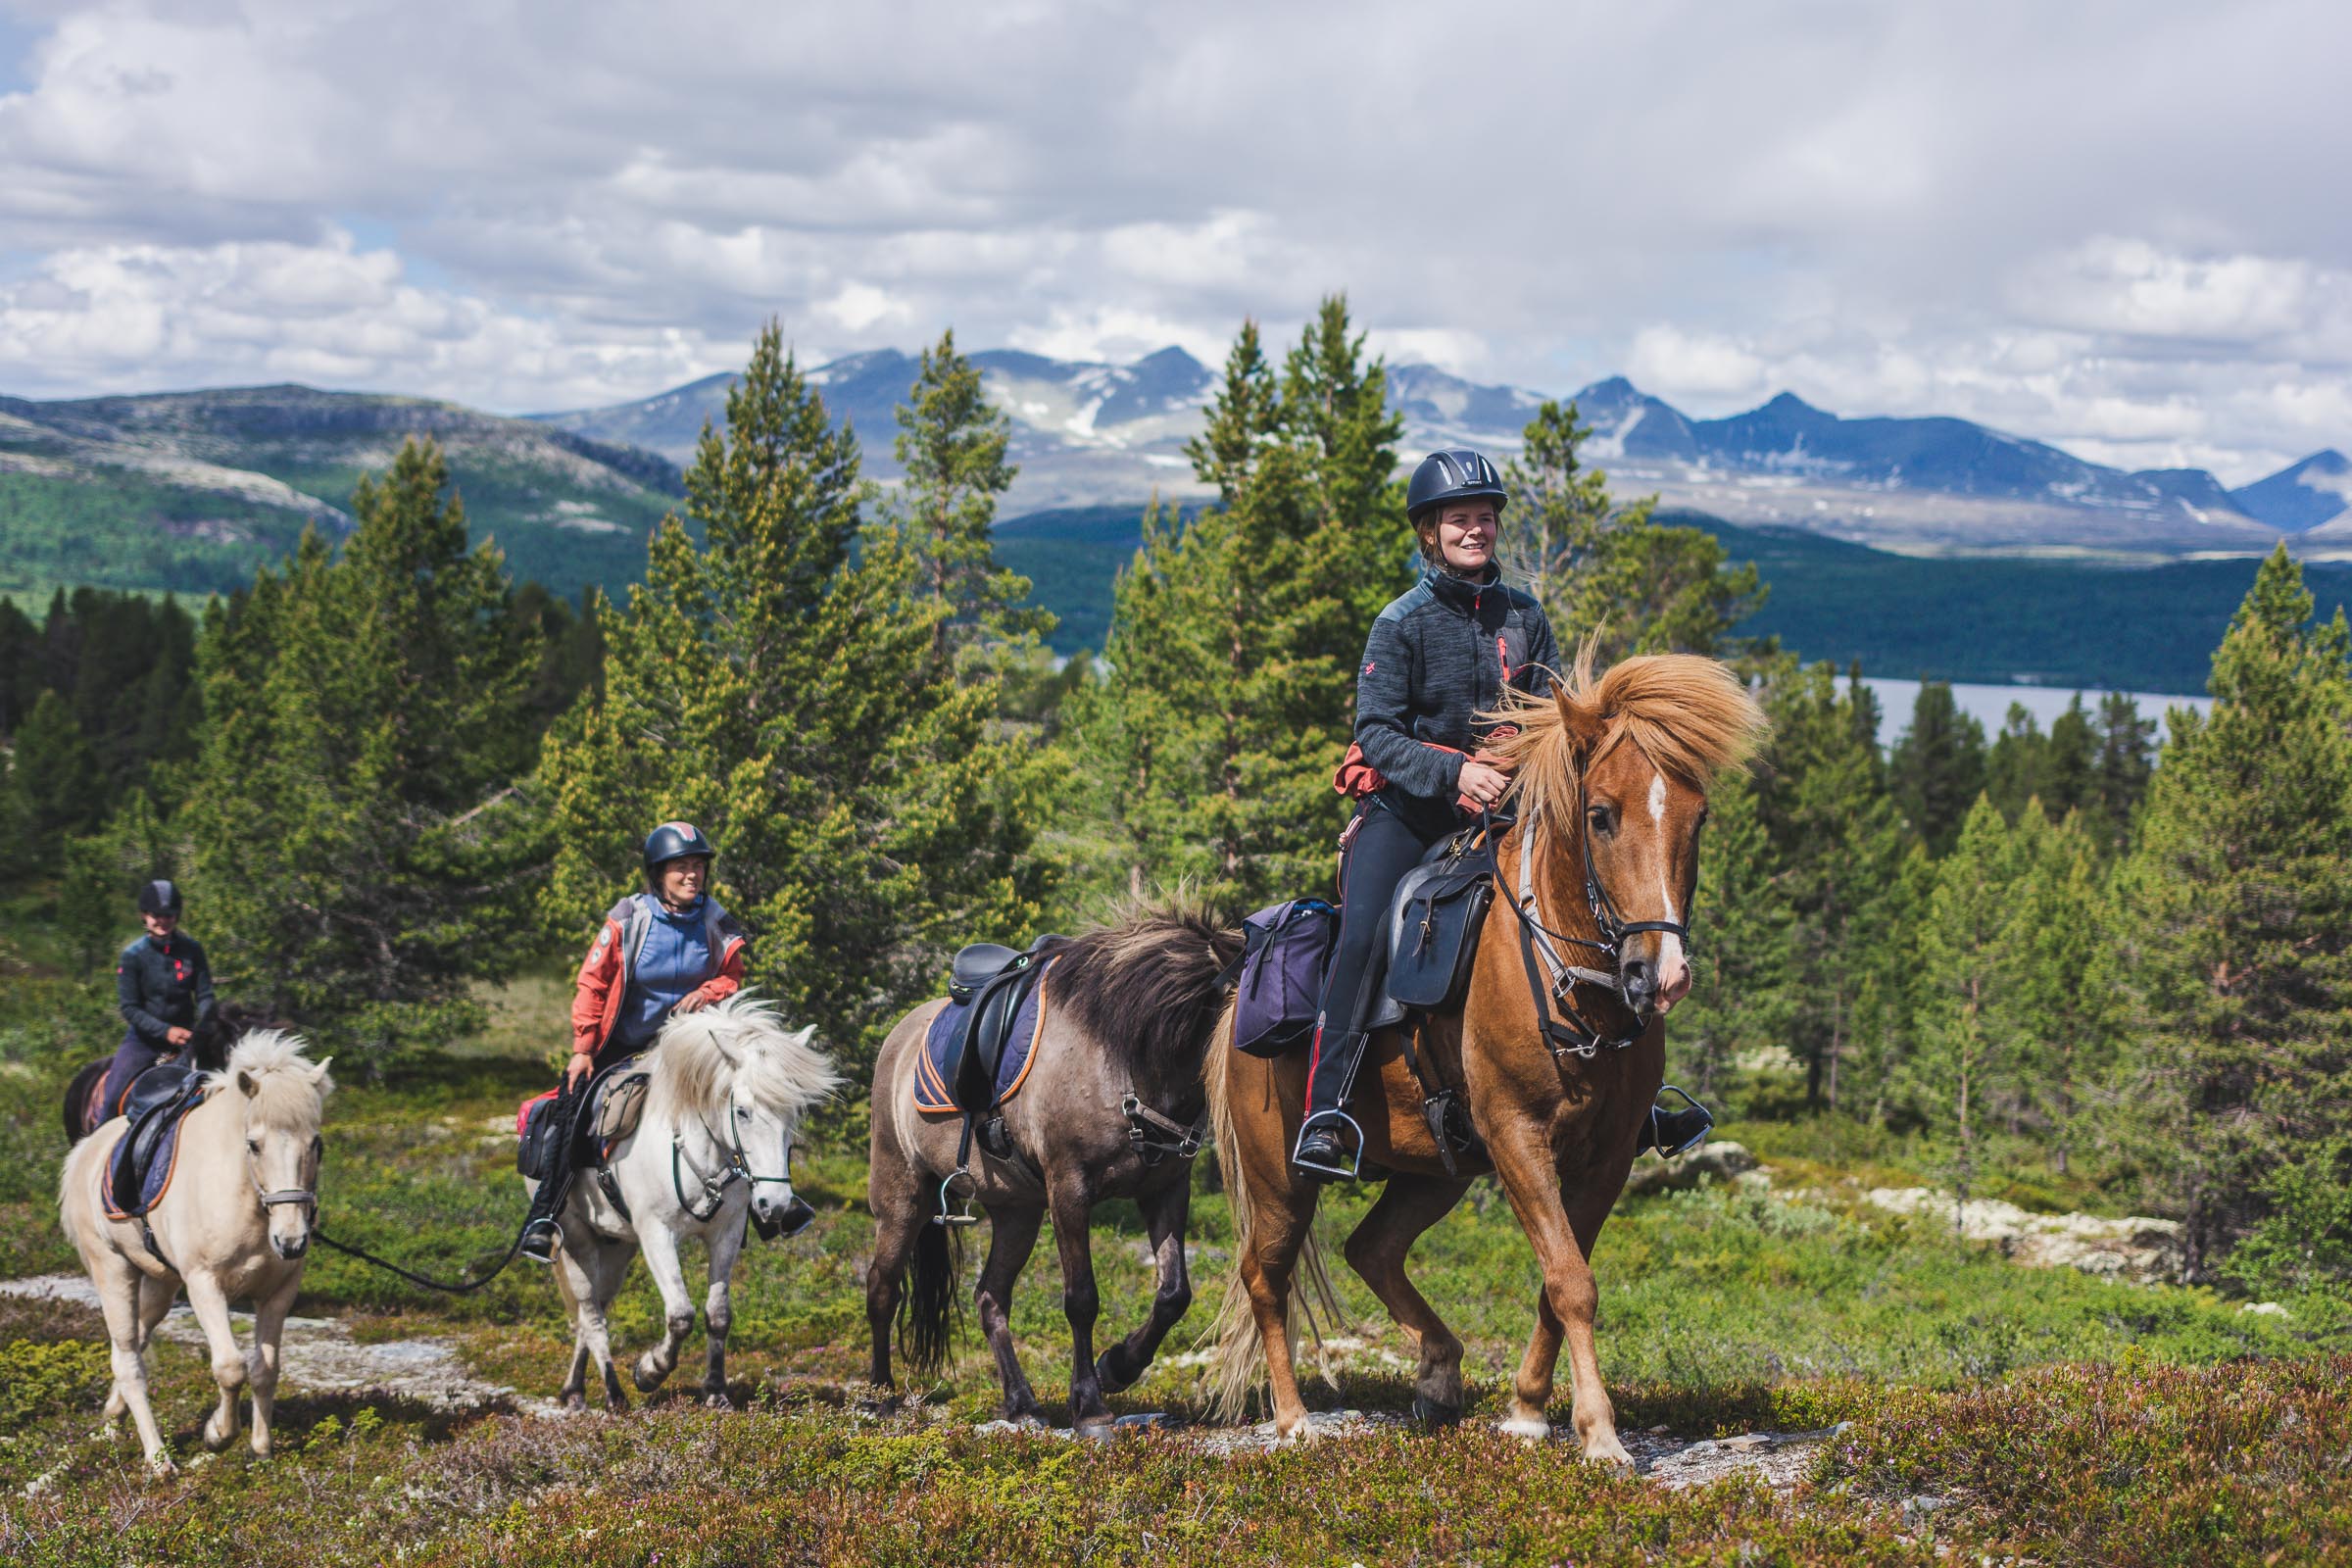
column 1824, row 801
column 56, row 770
column 953, row 442
column 2125, row 745
column 2017, row 761
column 349, row 818
column 1235, row 639
column 107, row 867
column 2068, row 780
column 2236, row 924
column 1937, row 767
column 1965, row 1054
column 2060, row 1003
column 1740, row 1000
column 775, row 684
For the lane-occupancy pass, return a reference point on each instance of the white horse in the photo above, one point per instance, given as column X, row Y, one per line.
column 233, row 1225
column 713, row 1149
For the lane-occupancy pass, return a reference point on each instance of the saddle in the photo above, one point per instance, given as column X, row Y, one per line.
column 1434, row 923
column 139, row 1170
column 607, row 1111
column 990, row 982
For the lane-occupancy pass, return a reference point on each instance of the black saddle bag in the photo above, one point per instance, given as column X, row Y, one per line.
column 544, row 1126
column 1433, row 943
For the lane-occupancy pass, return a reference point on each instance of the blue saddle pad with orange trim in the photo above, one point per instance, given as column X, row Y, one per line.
column 935, row 1072
column 138, row 1170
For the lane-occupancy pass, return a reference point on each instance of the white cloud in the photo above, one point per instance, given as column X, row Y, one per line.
column 2117, row 237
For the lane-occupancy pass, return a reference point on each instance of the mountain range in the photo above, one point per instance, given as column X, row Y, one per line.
column 1090, row 435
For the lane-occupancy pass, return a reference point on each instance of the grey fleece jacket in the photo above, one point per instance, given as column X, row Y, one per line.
column 1442, row 652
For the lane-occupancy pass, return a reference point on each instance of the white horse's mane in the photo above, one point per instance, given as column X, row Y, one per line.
column 289, row 1090
column 701, row 1057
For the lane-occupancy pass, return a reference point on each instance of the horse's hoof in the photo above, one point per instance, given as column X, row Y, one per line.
column 1610, row 1452
column 1113, row 1372
column 574, row 1399
column 647, row 1376
column 215, row 1439
column 160, row 1465
column 1096, row 1428
column 1430, row 1413
column 1527, row 1429
column 716, row 1399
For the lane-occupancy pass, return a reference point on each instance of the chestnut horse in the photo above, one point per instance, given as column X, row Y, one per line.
column 1557, row 1073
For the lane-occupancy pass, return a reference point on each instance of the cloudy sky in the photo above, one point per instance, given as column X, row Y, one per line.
column 2117, row 226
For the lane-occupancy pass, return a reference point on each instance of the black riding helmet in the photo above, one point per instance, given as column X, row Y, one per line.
column 159, row 897
column 1456, row 474
column 675, row 840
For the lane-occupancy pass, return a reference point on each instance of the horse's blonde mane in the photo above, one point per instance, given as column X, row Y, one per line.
column 1692, row 716
column 703, row 1057
column 289, row 1090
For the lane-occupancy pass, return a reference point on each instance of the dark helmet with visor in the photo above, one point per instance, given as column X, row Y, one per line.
column 1456, row 474
column 674, row 840
column 159, row 897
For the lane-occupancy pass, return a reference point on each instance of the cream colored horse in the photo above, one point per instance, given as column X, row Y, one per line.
column 234, row 1225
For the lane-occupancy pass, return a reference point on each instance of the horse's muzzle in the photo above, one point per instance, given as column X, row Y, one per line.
column 290, row 1247
column 790, row 1220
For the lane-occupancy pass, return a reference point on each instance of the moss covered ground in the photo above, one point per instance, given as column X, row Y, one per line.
column 2020, row 1414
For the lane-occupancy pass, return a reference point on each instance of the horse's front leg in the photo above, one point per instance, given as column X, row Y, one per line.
column 1072, row 1207
column 1570, row 1299
column 210, row 1306
column 1164, row 1214
column 268, row 1327
column 591, row 1281
column 719, row 1314
column 659, row 1245
column 1377, row 1250
column 125, row 1296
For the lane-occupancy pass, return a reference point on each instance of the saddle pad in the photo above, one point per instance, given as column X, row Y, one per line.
column 932, row 1073
column 138, row 1170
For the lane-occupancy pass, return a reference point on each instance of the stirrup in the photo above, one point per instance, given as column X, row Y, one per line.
column 1345, row 1173
column 1706, row 1123
column 554, row 1245
column 947, row 1196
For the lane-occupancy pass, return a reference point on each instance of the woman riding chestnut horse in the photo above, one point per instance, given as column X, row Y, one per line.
column 1452, row 647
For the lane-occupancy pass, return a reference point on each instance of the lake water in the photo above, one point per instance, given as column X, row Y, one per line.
column 1990, row 704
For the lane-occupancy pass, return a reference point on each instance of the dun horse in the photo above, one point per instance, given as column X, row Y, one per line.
column 234, row 1224
column 1113, row 1082
column 712, row 1148
column 1611, row 792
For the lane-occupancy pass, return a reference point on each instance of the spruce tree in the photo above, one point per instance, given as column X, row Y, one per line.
column 953, row 442
column 2125, row 747
column 1740, row 1002
column 1235, row 640
column 2016, row 763
column 2069, row 781
column 776, row 683
column 2061, row 999
column 1965, row 1052
column 2236, row 925
column 1937, row 767
column 351, row 824
column 56, row 770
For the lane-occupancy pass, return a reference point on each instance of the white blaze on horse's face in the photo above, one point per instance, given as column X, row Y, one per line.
column 1643, row 828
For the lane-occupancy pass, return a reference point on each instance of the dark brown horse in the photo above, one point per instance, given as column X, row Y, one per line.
column 1113, row 1087
column 83, row 1115
column 1611, row 791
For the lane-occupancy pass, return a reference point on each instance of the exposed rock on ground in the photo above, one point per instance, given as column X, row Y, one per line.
column 319, row 1356
column 2135, row 1247
column 1716, row 1161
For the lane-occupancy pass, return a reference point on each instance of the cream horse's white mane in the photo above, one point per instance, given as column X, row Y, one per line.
column 287, row 1088
column 703, row 1058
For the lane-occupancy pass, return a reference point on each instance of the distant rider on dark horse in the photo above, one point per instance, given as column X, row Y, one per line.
column 1440, row 655
column 668, row 949
column 163, row 986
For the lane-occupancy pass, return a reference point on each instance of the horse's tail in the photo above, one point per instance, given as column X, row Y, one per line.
column 78, row 1095
column 1238, row 1363
column 927, row 1308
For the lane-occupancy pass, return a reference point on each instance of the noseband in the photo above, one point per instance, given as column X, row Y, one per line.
column 738, row 1169
column 275, row 1198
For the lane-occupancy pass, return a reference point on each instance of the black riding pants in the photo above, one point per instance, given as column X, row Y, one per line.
column 132, row 1057
column 1390, row 839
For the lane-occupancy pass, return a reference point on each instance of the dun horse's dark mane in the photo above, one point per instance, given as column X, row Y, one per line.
column 1145, row 986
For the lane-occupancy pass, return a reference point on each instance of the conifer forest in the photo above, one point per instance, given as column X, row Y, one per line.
column 2104, row 966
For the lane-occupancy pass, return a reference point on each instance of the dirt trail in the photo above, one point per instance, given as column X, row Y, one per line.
column 319, row 1356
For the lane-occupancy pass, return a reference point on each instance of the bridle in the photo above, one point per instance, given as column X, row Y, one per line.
column 738, row 1168
column 279, row 1196
column 1579, row 1036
